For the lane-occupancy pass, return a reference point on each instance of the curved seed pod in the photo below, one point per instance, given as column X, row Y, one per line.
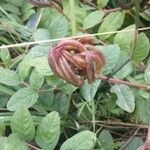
column 72, row 44
column 86, row 40
column 70, row 75
column 72, row 59
column 67, row 76
column 94, row 64
column 54, row 65
column 90, row 68
column 96, row 57
column 57, row 51
column 93, row 48
column 80, row 59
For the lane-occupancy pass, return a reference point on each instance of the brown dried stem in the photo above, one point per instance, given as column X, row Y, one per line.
column 116, row 123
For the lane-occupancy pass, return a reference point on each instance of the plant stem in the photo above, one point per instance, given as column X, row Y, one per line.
column 33, row 147
column 25, row 84
column 130, row 139
column 116, row 123
column 117, row 81
column 73, row 19
column 93, row 115
column 107, row 11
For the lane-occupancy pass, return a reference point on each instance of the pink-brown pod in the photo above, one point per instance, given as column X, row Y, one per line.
column 74, row 61
column 86, row 40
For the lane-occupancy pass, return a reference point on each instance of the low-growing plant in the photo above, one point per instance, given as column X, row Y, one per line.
column 74, row 75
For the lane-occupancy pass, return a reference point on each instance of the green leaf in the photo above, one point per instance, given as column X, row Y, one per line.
column 93, row 19
column 142, row 48
column 41, row 66
column 17, row 143
column 40, row 50
column 147, row 74
column 83, row 140
column 11, row 8
column 12, row 142
column 5, row 144
column 2, row 128
column 5, row 56
column 26, row 95
column 36, row 80
column 125, row 98
column 126, row 69
column 111, row 22
column 124, row 39
column 41, row 34
column 145, row 14
column 9, row 77
column 18, row 3
column 4, row 99
column 48, row 15
column 111, row 53
column 138, row 78
column 81, row 14
column 46, row 99
column 102, row 3
column 106, row 140
column 88, row 91
column 142, row 109
column 22, row 123
column 28, row 14
column 58, row 83
column 6, row 90
column 24, row 66
column 48, row 131
column 135, row 143
column 144, row 94
column 67, row 88
column 59, row 27
column 61, row 104
column 27, row 11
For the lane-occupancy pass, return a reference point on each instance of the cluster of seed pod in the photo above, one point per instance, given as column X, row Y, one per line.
column 76, row 60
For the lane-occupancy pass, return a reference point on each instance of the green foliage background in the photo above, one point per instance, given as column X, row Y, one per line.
column 38, row 110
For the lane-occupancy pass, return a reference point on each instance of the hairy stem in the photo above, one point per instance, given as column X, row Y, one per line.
column 117, row 81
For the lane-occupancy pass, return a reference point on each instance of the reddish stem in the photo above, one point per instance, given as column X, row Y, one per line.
column 131, row 84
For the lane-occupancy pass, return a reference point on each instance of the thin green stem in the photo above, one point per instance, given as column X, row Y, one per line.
column 73, row 18
column 3, row 11
column 93, row 115
column 99, row 144
column 33, row 147
column 92, row 111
